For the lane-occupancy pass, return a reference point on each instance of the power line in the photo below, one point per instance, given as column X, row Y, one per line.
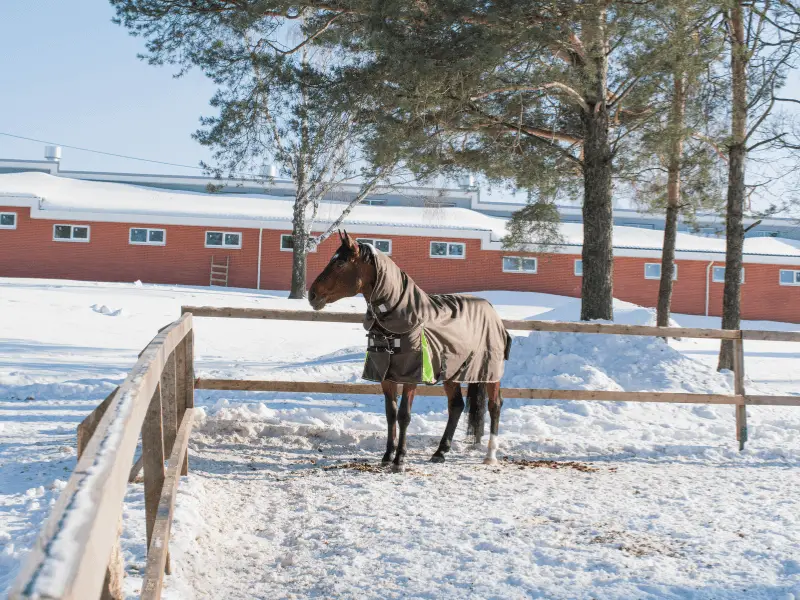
column 148, row 160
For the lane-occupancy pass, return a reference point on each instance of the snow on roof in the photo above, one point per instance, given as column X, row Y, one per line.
column 77, row 195
column 92, row 200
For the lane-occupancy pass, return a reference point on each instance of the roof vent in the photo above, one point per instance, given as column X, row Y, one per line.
column 52, row 153
column 269, row 171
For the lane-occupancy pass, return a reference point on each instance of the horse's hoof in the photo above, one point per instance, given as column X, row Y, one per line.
column 398, row 468
column 437, row 458
column 490, row 461
column 386, row 463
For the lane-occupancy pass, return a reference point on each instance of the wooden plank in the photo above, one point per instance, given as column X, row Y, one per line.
column 738, row 388
column 180, row 380
column 169, row 408
column 89, row 424
column 772, row 336
column 342, row 317
column 137, row 466
column 188, row 347
column 157, row 552
column 63, row 562
column 772, row 400
column 153, row 460
column 317, row 387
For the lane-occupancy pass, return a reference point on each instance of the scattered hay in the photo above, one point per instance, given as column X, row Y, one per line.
column 362, row 466
column 549, row 464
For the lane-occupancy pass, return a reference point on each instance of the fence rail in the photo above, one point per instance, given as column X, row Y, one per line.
column 510, row 324
column 81, row 534
column 739, row 398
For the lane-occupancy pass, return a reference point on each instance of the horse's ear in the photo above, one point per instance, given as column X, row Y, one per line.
column 351, row 243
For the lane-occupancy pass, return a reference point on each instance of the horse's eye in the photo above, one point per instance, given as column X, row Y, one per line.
column 339, row 264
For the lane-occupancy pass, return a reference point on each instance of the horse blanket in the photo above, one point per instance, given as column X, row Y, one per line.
column 414, row 337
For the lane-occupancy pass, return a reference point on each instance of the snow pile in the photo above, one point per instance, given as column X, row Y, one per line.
column 104, row 310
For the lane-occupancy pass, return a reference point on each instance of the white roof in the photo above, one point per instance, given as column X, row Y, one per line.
column 52, row 197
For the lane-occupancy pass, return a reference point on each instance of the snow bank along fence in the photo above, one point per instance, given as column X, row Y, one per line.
column 77, row 554
column 739, row 398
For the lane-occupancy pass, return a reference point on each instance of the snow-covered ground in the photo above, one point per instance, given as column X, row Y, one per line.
column 278, row 504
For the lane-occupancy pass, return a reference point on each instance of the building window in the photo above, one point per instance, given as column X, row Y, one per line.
column 287, row 243
column 374, row 202
column 579, row 268
column 71, row 233
column 384, row 246
column 447, row 250
column 653, row 271
column 718, row 275
column 764, row 233
column 223, row 239
column 519, row 264
column 8, row 220
column 142, row 236
column 789, row 277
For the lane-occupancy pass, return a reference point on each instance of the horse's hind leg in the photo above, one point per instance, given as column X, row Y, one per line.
column 495, row 404
column 390, row 396
column 404, row 418
column 455, row 406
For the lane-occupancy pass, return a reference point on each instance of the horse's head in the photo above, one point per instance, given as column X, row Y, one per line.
column 345, row 276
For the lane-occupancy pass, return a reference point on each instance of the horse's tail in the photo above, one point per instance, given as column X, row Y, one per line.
column 476, row 398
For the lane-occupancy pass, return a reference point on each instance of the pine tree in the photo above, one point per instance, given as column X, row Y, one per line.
column 763, row 39
column 515, row 89
column 676, row 165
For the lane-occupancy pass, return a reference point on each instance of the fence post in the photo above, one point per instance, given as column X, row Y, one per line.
column 738, row 388
column 188, row 397
column 112, row 585
column 153, row 460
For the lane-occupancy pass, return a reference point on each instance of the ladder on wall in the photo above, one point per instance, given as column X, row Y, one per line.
column 219, row 272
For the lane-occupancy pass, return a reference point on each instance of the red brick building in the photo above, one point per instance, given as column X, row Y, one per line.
column 60, row 228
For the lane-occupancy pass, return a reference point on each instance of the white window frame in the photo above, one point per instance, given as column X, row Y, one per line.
column 223, row 246
column 714, row 276
column 522, row 271
column 282, row 249
column 16, row 218
column 375, row 202
column 448, row 255
column 578, row 261
column 373, row 241
column 148, row 242
column 71, row 233
column 796, row 277
column 674, row 272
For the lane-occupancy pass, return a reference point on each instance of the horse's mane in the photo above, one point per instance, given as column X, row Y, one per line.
column 367, row 255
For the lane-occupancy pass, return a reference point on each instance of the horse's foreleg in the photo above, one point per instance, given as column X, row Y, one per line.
column 390, row 397
column 404, row 418
column 455, row 406
column 495, row 404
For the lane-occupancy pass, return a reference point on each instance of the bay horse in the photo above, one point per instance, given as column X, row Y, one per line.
column 417, row 338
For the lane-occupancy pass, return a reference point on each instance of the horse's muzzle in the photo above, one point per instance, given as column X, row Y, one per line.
column 316, row 301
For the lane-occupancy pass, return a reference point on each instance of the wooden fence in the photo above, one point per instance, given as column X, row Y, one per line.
column 82, row 533
column 156, row 400
column 739, row 398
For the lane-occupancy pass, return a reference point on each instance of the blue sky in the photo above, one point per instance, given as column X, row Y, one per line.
column 71, row 76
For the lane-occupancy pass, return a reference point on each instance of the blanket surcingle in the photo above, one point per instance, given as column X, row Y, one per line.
column 419, row 338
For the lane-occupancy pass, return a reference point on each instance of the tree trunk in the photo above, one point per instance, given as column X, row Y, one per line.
column 673, row 200
column 299, row 253
column 737, row 154
column 598, row 224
